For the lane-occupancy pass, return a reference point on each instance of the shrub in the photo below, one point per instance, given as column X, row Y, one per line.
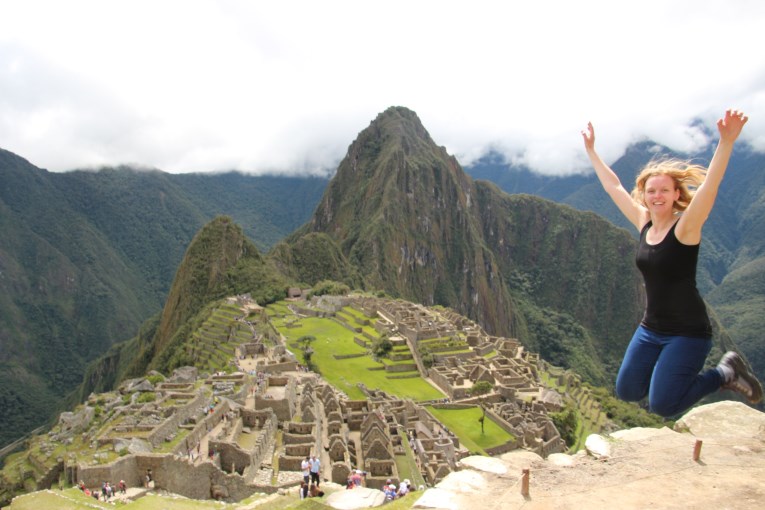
column 329, row 287
column 382, row 347
column 145, row 397
column 156, row 378
column 566, row 422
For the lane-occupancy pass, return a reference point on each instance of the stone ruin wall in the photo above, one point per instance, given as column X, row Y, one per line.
column 172, row 474
column 203, row 427
column 173, row 422
column 298, row 437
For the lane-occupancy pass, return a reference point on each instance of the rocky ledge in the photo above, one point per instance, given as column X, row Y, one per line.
column 714, row 458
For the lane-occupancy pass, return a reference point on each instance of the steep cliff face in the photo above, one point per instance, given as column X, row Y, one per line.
column 220, row 261
column 404, row 212
column 567, row 263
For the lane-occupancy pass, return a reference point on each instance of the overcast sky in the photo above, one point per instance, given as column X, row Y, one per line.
column 193, row 85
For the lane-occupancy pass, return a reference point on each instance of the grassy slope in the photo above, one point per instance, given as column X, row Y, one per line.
column 464, row 423
column 333, row 339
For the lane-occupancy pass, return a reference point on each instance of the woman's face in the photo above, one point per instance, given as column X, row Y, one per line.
column 660, row 193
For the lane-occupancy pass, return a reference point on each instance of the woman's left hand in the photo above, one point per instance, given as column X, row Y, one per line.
column 731, row 124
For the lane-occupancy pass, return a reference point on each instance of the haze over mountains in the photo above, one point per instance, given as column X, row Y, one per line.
column 88, row 257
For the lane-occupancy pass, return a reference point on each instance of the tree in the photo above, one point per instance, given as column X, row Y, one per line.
column 382, row 347
column 305, row 345
column 567, row 423
column 478, row 389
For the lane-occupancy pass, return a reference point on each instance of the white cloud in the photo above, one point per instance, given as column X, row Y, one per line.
column 286, row 86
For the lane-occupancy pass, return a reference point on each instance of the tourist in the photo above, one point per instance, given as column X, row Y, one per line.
column 356, row 477
column 122, row 487
column 667, row 352
column 314, row 491
column 390, row 491
column 305, row 467
column 315, row 468
column 403, row 489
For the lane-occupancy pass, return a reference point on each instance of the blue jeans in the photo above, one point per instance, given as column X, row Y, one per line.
column 666, row 368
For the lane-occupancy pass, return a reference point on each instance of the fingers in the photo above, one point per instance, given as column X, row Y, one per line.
column 589, row 133
column 734, row 115
column 731, row 124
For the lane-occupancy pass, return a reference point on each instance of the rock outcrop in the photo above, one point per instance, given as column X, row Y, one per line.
column 645, row 468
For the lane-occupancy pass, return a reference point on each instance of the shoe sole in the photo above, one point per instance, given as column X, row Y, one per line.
column 741, row 370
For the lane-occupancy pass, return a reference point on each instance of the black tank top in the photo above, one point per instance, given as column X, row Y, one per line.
column 674, row 305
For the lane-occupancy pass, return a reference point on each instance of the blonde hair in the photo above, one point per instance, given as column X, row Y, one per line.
column 686, row 176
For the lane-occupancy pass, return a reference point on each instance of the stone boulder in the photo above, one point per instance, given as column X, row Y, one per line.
column 143, row 386
column 133, row 445
column 727, row 420
column 360, row 497
column 184, row 375
column 75, row 423
column 597, row 446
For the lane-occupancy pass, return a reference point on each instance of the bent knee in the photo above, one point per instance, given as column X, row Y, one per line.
column 629, row 392
column 665, row 408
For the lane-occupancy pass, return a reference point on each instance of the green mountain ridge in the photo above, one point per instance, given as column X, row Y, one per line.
column 87, row 257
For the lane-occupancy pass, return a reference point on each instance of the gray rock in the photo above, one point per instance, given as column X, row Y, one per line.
column 133, row 445
column 723, row 420
column 640, row 433
column 74, row 423
column 184, row 375
column 360, row 497
column 125, row 386
column 143, row 385
column 481, row 463
column 597, row 446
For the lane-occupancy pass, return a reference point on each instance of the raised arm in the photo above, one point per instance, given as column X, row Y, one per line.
column 635, row 213
column 689, row 227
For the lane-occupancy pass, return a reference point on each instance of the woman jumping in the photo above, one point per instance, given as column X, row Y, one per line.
column 669, row 205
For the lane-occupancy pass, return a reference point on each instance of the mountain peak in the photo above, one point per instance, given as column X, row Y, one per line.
column 404, row 211
column 401, row 121
column 201, row 277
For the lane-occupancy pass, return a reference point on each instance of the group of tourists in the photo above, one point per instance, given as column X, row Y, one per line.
column 355, row 479
column 310, row 490
column 311, row 470
column 107, row 491
column 392, row 492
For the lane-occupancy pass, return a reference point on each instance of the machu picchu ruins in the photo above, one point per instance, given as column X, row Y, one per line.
column 242, row 419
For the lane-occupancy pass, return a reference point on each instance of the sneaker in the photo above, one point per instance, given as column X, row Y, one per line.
column 743, row 380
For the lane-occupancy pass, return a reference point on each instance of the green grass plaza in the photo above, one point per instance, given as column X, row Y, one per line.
column 333, row 339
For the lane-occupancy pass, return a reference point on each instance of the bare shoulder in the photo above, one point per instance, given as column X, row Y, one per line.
column 687, row 231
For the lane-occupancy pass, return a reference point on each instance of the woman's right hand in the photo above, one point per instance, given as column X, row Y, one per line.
column 589, row 137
